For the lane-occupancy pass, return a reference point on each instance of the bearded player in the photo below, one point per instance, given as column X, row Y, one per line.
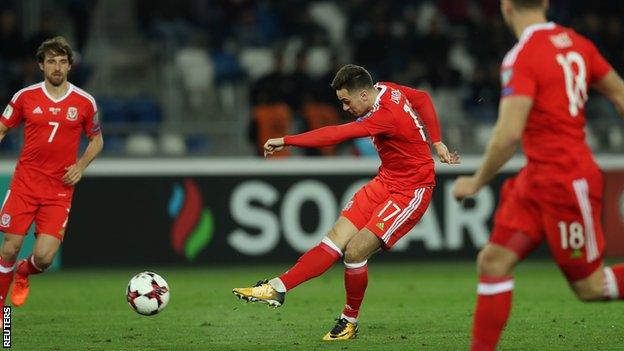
column 54, row 113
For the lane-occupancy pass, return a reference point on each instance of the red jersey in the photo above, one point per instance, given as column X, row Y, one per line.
column 554, row 66
column 52, row 129
column 396, row 124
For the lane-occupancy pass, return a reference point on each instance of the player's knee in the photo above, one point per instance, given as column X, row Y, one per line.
column 492, row 264
column 43, row 260
column 353, row 255
column 589, row 292
column 10, row 250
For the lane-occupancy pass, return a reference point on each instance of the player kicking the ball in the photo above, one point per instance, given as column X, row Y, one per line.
column 54, row 113
column 402, row 122
column 557, row 196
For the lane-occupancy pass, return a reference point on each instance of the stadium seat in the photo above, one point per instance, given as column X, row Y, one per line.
column 141, row 144
column 226, row 68
column 112, row 110
column 318, row 59
column 143, row 109
column 257, row 61
column 172, row 144
column 197, row 72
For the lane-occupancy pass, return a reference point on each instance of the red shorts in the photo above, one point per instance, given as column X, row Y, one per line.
column 572, row 227
column 19, row 211
column 388, row 215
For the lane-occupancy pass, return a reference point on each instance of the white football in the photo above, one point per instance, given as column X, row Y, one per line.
column 147, row 293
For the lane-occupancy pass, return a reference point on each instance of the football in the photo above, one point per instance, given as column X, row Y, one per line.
column 147, row 293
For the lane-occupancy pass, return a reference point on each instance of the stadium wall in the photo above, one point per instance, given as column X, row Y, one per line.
column 188, row 211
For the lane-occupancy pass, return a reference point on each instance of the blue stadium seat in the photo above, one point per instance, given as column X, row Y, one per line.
column 112, row 110
column 143, row 109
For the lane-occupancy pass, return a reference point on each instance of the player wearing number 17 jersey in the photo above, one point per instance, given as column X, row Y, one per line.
column 384, row 209
column 54, row 114
column 556, row 197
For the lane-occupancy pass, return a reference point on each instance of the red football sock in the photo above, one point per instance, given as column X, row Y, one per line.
column 614, row 282
column 27, row 267
column 492, row 312
column 311, row 264
column 356, row 280
column 6, row 276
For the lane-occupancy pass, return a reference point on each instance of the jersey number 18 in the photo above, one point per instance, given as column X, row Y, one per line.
column 575, row 83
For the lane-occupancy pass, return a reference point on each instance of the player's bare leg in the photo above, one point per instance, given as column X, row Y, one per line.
column 311, row 264
column 495, row 264
column 44, row 251
column 357, row 252
column 605, row 283
column 11, row 246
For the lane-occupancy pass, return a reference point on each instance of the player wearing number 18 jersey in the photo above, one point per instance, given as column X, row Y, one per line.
column 383, row 210
column 557, row 196
column 54, row 113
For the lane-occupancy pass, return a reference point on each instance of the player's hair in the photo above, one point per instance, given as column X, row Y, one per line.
column 57, row 46
column 352, row 77
column 528, row 4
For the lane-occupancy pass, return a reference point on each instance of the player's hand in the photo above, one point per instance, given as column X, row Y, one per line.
column 452, row 158
column 465, row 186
column 73, row 174
column 273, row 145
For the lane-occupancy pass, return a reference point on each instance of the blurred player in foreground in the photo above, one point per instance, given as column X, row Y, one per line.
column 402, row 123
column 54, row 113
column 557, row 196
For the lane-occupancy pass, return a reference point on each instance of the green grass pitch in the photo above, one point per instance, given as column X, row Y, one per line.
column 408, row 306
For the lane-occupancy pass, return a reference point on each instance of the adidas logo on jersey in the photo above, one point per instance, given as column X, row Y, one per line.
column 37, row 110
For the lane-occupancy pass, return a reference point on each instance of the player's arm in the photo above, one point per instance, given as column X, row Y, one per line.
column 74, row 172
column 422, row 103
column 612, row 86
column 512, row 117
column 3, row 131
column 325, row 136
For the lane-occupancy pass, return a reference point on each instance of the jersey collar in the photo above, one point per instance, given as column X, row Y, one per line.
column 382, row 90
column 528, row 31
column 56, row 101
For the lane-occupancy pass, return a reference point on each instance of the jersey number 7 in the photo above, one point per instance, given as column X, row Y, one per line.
column 55, row 126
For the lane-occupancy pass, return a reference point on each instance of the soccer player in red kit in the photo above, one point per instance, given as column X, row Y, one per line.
column 54, row 113
column 402, row 123
column 557, row 196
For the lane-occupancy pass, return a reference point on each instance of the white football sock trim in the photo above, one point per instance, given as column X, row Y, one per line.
column 278, row 285
column 32, row 261
column 327, row 241
column 4, row 269
column 350, row 319
column 495, row 288
column 610, row 284
column 355, row 264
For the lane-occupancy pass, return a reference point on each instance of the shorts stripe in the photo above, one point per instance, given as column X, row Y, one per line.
column 580, row 189
column 6, row 197
column 407, row 212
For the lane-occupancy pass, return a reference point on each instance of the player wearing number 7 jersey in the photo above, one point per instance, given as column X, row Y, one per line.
column 54, row 113
column 557, row 196
column 402, row 123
